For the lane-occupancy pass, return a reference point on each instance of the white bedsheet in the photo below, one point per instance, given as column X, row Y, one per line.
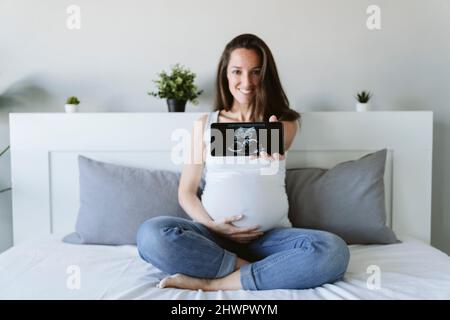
column 38, row 270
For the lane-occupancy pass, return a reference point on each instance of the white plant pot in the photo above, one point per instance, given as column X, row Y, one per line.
column 71, row 108
column 362, row 107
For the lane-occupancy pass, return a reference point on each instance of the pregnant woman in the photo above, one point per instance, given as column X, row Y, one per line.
column 240, row 236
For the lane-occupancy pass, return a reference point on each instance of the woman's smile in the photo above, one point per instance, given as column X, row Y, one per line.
column 246, row 91
column 247, row 96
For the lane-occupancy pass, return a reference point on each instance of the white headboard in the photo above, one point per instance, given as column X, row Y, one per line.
column 45, row 146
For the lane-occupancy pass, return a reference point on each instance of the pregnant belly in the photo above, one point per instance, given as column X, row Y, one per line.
column 261, row 200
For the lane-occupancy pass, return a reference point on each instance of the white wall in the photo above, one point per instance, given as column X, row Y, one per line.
column 323, row 49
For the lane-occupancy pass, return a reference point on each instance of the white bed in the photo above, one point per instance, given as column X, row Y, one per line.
column 44, row 150
column 409, row 270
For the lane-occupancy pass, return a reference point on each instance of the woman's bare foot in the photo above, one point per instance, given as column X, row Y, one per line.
column 229, row 282
column 184, row 282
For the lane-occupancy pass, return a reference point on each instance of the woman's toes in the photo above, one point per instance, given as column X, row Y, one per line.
column 167, row 281
column 182, row 281
column 161, row 284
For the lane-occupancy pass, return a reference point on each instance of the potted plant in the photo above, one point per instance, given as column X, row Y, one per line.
column 177, row 87
column 72, row 104
column 362, row 99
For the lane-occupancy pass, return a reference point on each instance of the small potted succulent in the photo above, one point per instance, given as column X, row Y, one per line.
column 362, row 99
column 72, row 104
column 177, row 87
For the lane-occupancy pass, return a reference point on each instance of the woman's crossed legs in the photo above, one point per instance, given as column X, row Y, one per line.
column 284, row 258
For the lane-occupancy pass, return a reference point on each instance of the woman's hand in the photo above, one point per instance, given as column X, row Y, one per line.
column 237, row 234
column 274, row 156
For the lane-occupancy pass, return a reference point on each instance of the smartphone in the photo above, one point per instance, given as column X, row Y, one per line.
column 246, row 138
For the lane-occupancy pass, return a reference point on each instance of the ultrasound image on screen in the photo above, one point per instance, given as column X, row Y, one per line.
column 243, row 139
column 245, row 142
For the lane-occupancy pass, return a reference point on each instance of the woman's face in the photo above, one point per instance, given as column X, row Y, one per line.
column 244, row 74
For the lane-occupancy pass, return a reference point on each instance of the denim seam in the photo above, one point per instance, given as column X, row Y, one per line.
column 225, row 264
column 286, row 240
column 188, row 233
column 282, row 257
column 247, row 280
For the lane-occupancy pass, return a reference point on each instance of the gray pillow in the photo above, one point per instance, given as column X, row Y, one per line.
column 347, row 200
column 115, row 200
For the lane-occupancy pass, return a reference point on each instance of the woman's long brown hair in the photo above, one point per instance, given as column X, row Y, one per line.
column 270, row 97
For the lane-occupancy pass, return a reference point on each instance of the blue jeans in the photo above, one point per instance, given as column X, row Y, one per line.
column 283, row 258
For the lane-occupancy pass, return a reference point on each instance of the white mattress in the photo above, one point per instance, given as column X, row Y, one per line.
column 38, row 270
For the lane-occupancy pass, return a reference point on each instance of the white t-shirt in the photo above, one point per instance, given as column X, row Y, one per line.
column 237, row 185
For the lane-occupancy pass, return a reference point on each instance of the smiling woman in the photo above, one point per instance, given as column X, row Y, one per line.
column 241, row 236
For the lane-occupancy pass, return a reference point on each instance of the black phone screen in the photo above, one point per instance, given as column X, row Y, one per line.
column 246, row 138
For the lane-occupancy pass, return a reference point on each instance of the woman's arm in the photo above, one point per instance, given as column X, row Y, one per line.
column 290, row 131
column 191, row 175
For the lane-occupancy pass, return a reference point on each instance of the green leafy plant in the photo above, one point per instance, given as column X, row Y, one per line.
column 72, row 100
column 363, row 96
column 179, row 85
column 1, row 154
